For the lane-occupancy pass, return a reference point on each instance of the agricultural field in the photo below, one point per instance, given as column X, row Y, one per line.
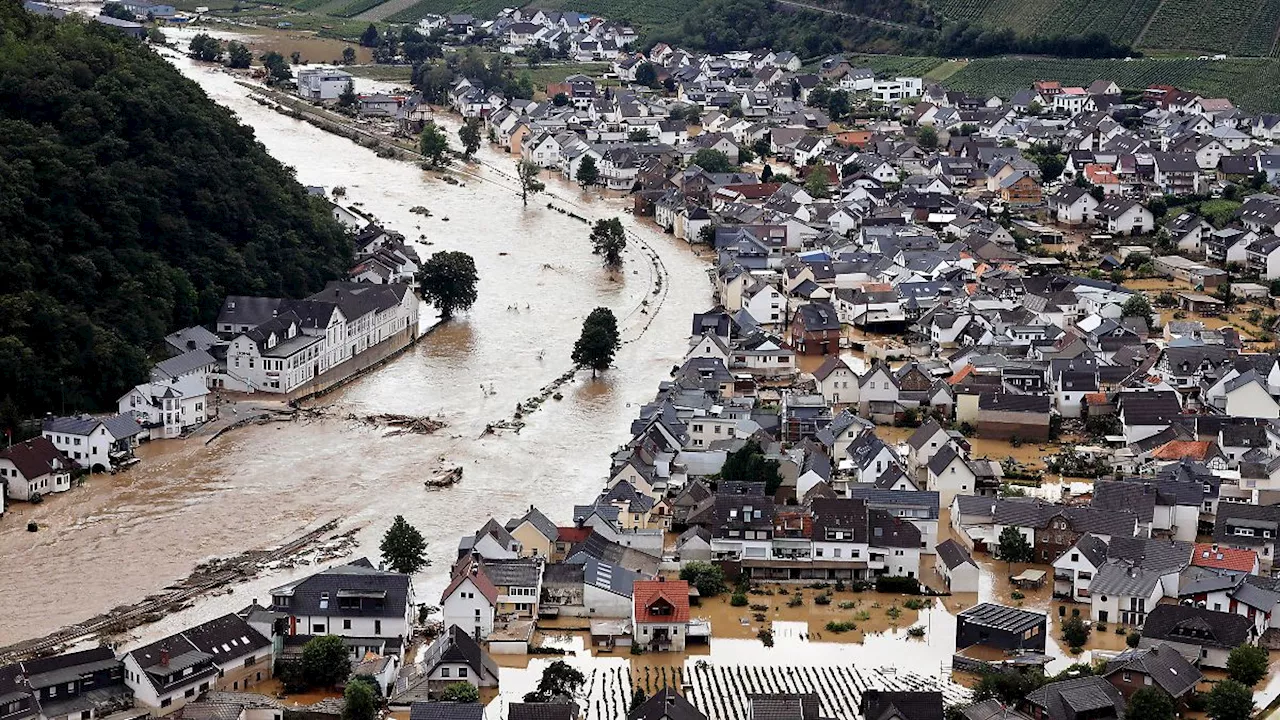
column 355, row 7
column 896, row 64
column 1236, row 27
column 1249, row 82
column 423, row 8
column 1123, row 20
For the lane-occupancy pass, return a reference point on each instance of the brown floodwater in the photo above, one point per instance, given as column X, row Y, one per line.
column 122, row 537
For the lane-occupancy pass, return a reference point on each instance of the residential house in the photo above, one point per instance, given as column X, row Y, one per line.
column 96, row 444
column 1203, row 637
column 956, row 567
column 1001, row 627
column 33, row 468
column 372, row 609
column 221, row 654
column 660, row 618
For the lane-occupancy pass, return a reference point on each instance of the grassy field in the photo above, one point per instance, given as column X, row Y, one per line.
column 1237, row 27
column 384, row 73
column 355, row 7
column 1249, row 83
column 945, row 70
column 419, row 10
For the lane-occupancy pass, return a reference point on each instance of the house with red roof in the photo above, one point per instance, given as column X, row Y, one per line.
column 470, row 599
column 660, row 614
column 33, row 468
column 1221, row 557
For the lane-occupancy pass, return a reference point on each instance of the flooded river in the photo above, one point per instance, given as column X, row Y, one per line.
column 122, row 537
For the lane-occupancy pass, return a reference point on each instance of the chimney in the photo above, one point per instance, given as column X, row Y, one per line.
column 661, row 579
column 164, row 657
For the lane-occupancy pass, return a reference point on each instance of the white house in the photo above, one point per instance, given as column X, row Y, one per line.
column 1073, row 571
column 470, row 599
column 96, row 444
column 957, row 568
column 373, row 608
column 837, row 382
column 168, row 408
column 222, row 654
column 950, row 475
column 33, row 467
column 660, row 614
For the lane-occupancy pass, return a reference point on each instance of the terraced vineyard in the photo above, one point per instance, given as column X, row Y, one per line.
column 479, row 8
column 1249, row 83
column 356, row 7
column 1123, row 20
column 1238, row 27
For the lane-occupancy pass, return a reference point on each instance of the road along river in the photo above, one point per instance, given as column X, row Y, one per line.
column 122, row 537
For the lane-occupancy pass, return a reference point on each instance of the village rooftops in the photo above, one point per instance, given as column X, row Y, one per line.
column 784, row 706
column 456, row 646
column 1212, row 555
column 35, row 457
column 1001, row 617
column 120, row 426
column 1089, row 696
column 446, row 711
column 953, row 554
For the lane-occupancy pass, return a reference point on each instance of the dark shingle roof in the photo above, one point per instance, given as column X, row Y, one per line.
column 1197, row 626
column 1090, row 696
column 666, row 704
column 446, row 711
column 356, row 577
column 1001, row 617
column 954, row 554
column 1166, row 667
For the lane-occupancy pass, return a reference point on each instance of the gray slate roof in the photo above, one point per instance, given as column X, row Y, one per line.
column 954, row 554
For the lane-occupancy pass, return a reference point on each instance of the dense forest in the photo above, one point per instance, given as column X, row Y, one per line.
column 130, row 204
column 724, row 25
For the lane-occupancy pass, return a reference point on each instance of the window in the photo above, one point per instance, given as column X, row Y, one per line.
column 251, row 661
column 1126, row 677
column 317, row 628
column 166, row 702
column 444, row 672
column 346, row 624
column 462, row 672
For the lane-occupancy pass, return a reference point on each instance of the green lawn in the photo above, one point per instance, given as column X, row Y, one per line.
column 385, row 73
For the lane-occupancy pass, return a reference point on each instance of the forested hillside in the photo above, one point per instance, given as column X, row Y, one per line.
column 130, row 204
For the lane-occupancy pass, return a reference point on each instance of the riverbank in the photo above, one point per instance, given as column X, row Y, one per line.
column 131, row 535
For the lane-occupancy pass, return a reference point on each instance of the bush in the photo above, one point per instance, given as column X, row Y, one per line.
column 759, row 607
column 1074, row 632
column 841, row 626
column 918, row 603
column 823, row 599
column 916, row 631
column 894, row 612
column 1132, row 639
column 708, row 578
column 1075, row 650
column 1017, row 595
column 796, row 600
column 766, row 636
column 839, row 586
column 1247, row 665
column 738, row 600
column 846, row 605
column 898, row 584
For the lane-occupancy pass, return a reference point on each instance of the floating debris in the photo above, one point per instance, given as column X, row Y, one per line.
column 445, row 479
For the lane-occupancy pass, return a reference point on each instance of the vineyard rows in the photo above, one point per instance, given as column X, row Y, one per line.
column 1235, row 27
column 1249, row 83
column 896, row 64
column 305, row 5
column 1240, row 27
column 356, row 7
column 479, row 8
column 720, row 691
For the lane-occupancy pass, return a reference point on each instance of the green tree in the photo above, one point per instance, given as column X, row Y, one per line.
column 348, row 97
column 1150, row 703
column 348, row 55
column 117, row 11
column 403, row 547
column 1014, row 547
column 359, row 702
column 749, row 464
column 708, row 578
column 838, row 104
column 639, row 135
column 637, row 699
column 559, row 679
column 527, row 174
column 927, row 137
column 598, row 342
column 469, row 134
column 206, row 48
column 818, row 183
column 325, row 661
column 588, row 172
column 609, row 239
column 762, row 147
column 370, row 37
column 713, row 161
column 238, row 55
column 646, row 75
column 277, row 67
column 560, row 99
column 1230, row 700
column 448, row 280
column 434, row 145
column 1074, row 632
column 1247, row 665
column 1139, row 306
column 460, row 692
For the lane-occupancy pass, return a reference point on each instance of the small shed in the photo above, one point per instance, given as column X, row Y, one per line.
column 1029, row 579
column 956, row 567
column 1200, row 303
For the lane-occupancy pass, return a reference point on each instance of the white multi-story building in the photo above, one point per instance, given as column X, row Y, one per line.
column 356, row 601
column 322, row 83
column 303, row 339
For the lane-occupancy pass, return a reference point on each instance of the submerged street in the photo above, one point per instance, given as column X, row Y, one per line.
column 129, row 535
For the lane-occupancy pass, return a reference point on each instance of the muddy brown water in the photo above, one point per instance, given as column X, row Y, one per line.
column 122, row 537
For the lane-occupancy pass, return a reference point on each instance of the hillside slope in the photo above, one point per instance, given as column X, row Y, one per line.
column 130, row 203
column 1236, row 27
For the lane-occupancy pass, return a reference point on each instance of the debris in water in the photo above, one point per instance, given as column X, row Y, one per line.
column 445, row 479
column 33, row 526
